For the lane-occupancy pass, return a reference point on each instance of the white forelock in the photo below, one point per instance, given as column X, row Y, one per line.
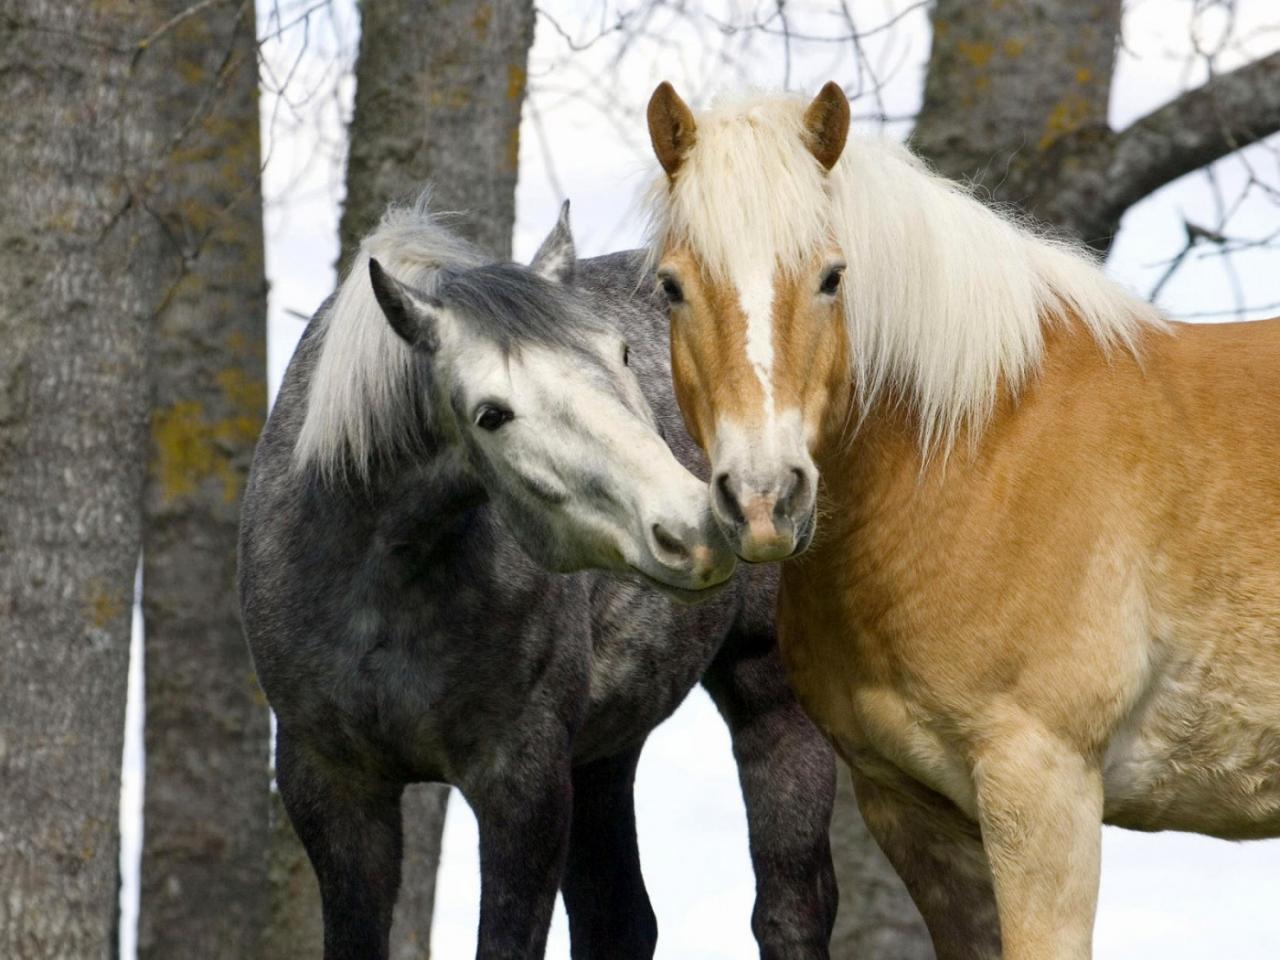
column 360, row 399
column 945, row 299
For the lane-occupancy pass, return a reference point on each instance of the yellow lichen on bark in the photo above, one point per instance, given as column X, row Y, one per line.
column 977, row 52
column 515, row 81
column 102, row 607
column 190, row 448
column 457, row 98
column 1067, row 116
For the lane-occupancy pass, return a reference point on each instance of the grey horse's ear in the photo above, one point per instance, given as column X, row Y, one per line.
column 415, row 317
column 556, row 257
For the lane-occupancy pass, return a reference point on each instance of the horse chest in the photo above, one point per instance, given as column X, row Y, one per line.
column 881, row 715
column 646, row 655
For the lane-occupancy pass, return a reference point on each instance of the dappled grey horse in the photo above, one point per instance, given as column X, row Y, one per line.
column 449, row 433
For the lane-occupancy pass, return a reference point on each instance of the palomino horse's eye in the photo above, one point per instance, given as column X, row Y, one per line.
column 491, row 418
column 671, row 287
column 831, row 281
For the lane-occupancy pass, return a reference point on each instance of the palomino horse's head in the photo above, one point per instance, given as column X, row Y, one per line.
column 752, row 277
column 537, row 397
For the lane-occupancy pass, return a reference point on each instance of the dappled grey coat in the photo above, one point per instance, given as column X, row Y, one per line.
column 402, row 635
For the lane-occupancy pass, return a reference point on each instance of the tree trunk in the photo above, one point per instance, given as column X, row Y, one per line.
column 1016, row 92
column 1016, row 101
column 206, row 802
column 438, row 98
column 83, row 268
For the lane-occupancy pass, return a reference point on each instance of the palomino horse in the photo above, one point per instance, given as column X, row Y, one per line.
column 1045, row 593
column 407, row 499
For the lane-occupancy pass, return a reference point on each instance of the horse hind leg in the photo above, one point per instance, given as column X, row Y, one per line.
column 939, row 855
column 610, row 915
column 351, row 831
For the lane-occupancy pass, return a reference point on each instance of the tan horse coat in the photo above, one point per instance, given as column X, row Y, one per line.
column 1071, row 614
column 1082, row 613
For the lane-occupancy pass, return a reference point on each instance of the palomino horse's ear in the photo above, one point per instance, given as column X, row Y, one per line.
column 826, row 121
column 556, row 257
column 671, row 127
column 413, row 316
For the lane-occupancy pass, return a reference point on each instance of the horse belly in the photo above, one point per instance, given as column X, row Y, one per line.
column 1200, row 753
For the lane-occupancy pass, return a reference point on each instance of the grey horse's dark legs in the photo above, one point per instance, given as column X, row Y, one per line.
column 523, row 819
column 609, row 911
column 350, row 829
column 782, row 760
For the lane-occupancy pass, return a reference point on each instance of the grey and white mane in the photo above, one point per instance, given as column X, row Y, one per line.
column 360, row 398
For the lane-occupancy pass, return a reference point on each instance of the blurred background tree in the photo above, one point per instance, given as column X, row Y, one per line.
column 203, row 870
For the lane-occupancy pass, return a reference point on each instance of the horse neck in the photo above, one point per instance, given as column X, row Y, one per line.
column 859, row 451
column 423, row 498
column 877, row 474
column 422, row 486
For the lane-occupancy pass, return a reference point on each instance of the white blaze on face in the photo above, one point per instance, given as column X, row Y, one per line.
column 755, row 296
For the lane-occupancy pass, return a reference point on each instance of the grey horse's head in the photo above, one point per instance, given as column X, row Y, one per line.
column 537, row 395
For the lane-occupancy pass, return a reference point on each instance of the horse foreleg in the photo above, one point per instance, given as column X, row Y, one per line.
column 1040, row 807
column 609, row 911
column 787, row 772
column 523, row 815
column 350, row 828
column 937, row 851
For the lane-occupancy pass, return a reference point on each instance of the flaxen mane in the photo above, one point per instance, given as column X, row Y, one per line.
column 360, row 400
column 945, row 299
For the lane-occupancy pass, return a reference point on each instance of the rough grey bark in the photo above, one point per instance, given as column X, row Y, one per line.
column 294, row 930
column 206, row 800
column 83, row 268
column 424, row 810
column 1016, row 100
column 1199, row 127
column 1014, row 93
column 439, row 88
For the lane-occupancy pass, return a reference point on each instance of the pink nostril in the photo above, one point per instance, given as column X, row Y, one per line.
column 759, row 516
column 703, row 558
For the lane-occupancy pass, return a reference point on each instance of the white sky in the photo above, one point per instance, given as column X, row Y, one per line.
column 1175, row 896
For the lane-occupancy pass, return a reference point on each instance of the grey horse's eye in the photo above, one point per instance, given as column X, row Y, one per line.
column 626, row 355
column 490, row 417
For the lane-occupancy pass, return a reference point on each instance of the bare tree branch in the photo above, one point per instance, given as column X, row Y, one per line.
column 1231, row 111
